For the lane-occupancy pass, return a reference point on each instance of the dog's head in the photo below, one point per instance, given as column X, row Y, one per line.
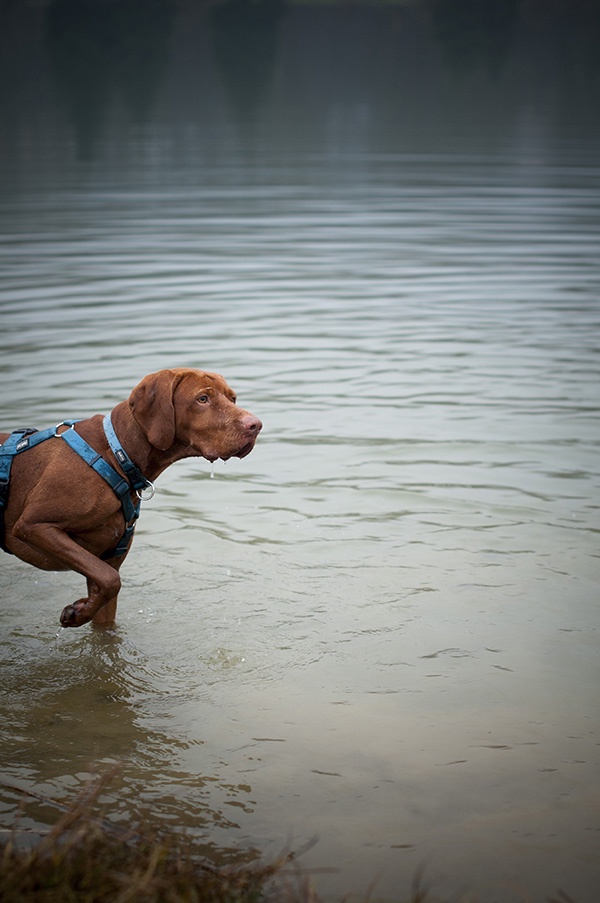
column 194, row 410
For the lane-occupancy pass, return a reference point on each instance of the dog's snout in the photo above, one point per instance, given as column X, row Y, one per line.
column 251, row 424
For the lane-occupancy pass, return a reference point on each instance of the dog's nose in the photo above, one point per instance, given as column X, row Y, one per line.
column 251, row 424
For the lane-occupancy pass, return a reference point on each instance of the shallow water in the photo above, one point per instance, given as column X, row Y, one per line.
column 381, row 628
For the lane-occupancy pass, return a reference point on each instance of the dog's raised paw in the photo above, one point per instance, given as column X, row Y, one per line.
column 75, row 615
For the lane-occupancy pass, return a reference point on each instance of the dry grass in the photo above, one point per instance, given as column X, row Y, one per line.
column 88, row 860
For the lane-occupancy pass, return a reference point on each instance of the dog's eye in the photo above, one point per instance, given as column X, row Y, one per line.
column 202, row 399
column 234, row 399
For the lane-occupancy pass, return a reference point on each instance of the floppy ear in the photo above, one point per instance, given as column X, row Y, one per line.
column 151, row 403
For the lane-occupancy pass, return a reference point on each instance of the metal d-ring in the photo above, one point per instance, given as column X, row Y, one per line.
column 148, row 487
column 58, row 426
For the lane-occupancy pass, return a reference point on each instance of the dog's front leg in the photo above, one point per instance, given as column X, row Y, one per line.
column 105, row 616
column 102, row 577
column 93, row 608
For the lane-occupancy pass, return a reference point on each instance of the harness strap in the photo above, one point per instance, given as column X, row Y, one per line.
column 21, row 440
column 7, row 452
column 136, row 478
column 18, row 441
column 117, row 483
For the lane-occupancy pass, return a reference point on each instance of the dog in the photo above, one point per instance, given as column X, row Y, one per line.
column 72, row 493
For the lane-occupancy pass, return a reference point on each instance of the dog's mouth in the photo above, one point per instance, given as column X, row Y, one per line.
column 241, row 453
column 245, row 450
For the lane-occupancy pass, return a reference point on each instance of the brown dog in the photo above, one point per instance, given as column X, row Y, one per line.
column 63, row 514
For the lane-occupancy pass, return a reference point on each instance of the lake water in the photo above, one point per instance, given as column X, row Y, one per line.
column 380, row 630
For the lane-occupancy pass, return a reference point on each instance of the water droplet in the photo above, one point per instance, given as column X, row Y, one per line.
column 212, row 470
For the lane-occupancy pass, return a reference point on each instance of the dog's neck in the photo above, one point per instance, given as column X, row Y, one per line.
column 150, row 460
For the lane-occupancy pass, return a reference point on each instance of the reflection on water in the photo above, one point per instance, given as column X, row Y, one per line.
column 474, row 34
column 245, row 38
column 77, row 713
column 382, row 225
column 98, row 50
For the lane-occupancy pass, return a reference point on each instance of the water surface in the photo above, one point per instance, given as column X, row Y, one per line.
column 381, row 628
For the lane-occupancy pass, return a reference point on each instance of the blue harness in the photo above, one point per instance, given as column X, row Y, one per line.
column 24, row 439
